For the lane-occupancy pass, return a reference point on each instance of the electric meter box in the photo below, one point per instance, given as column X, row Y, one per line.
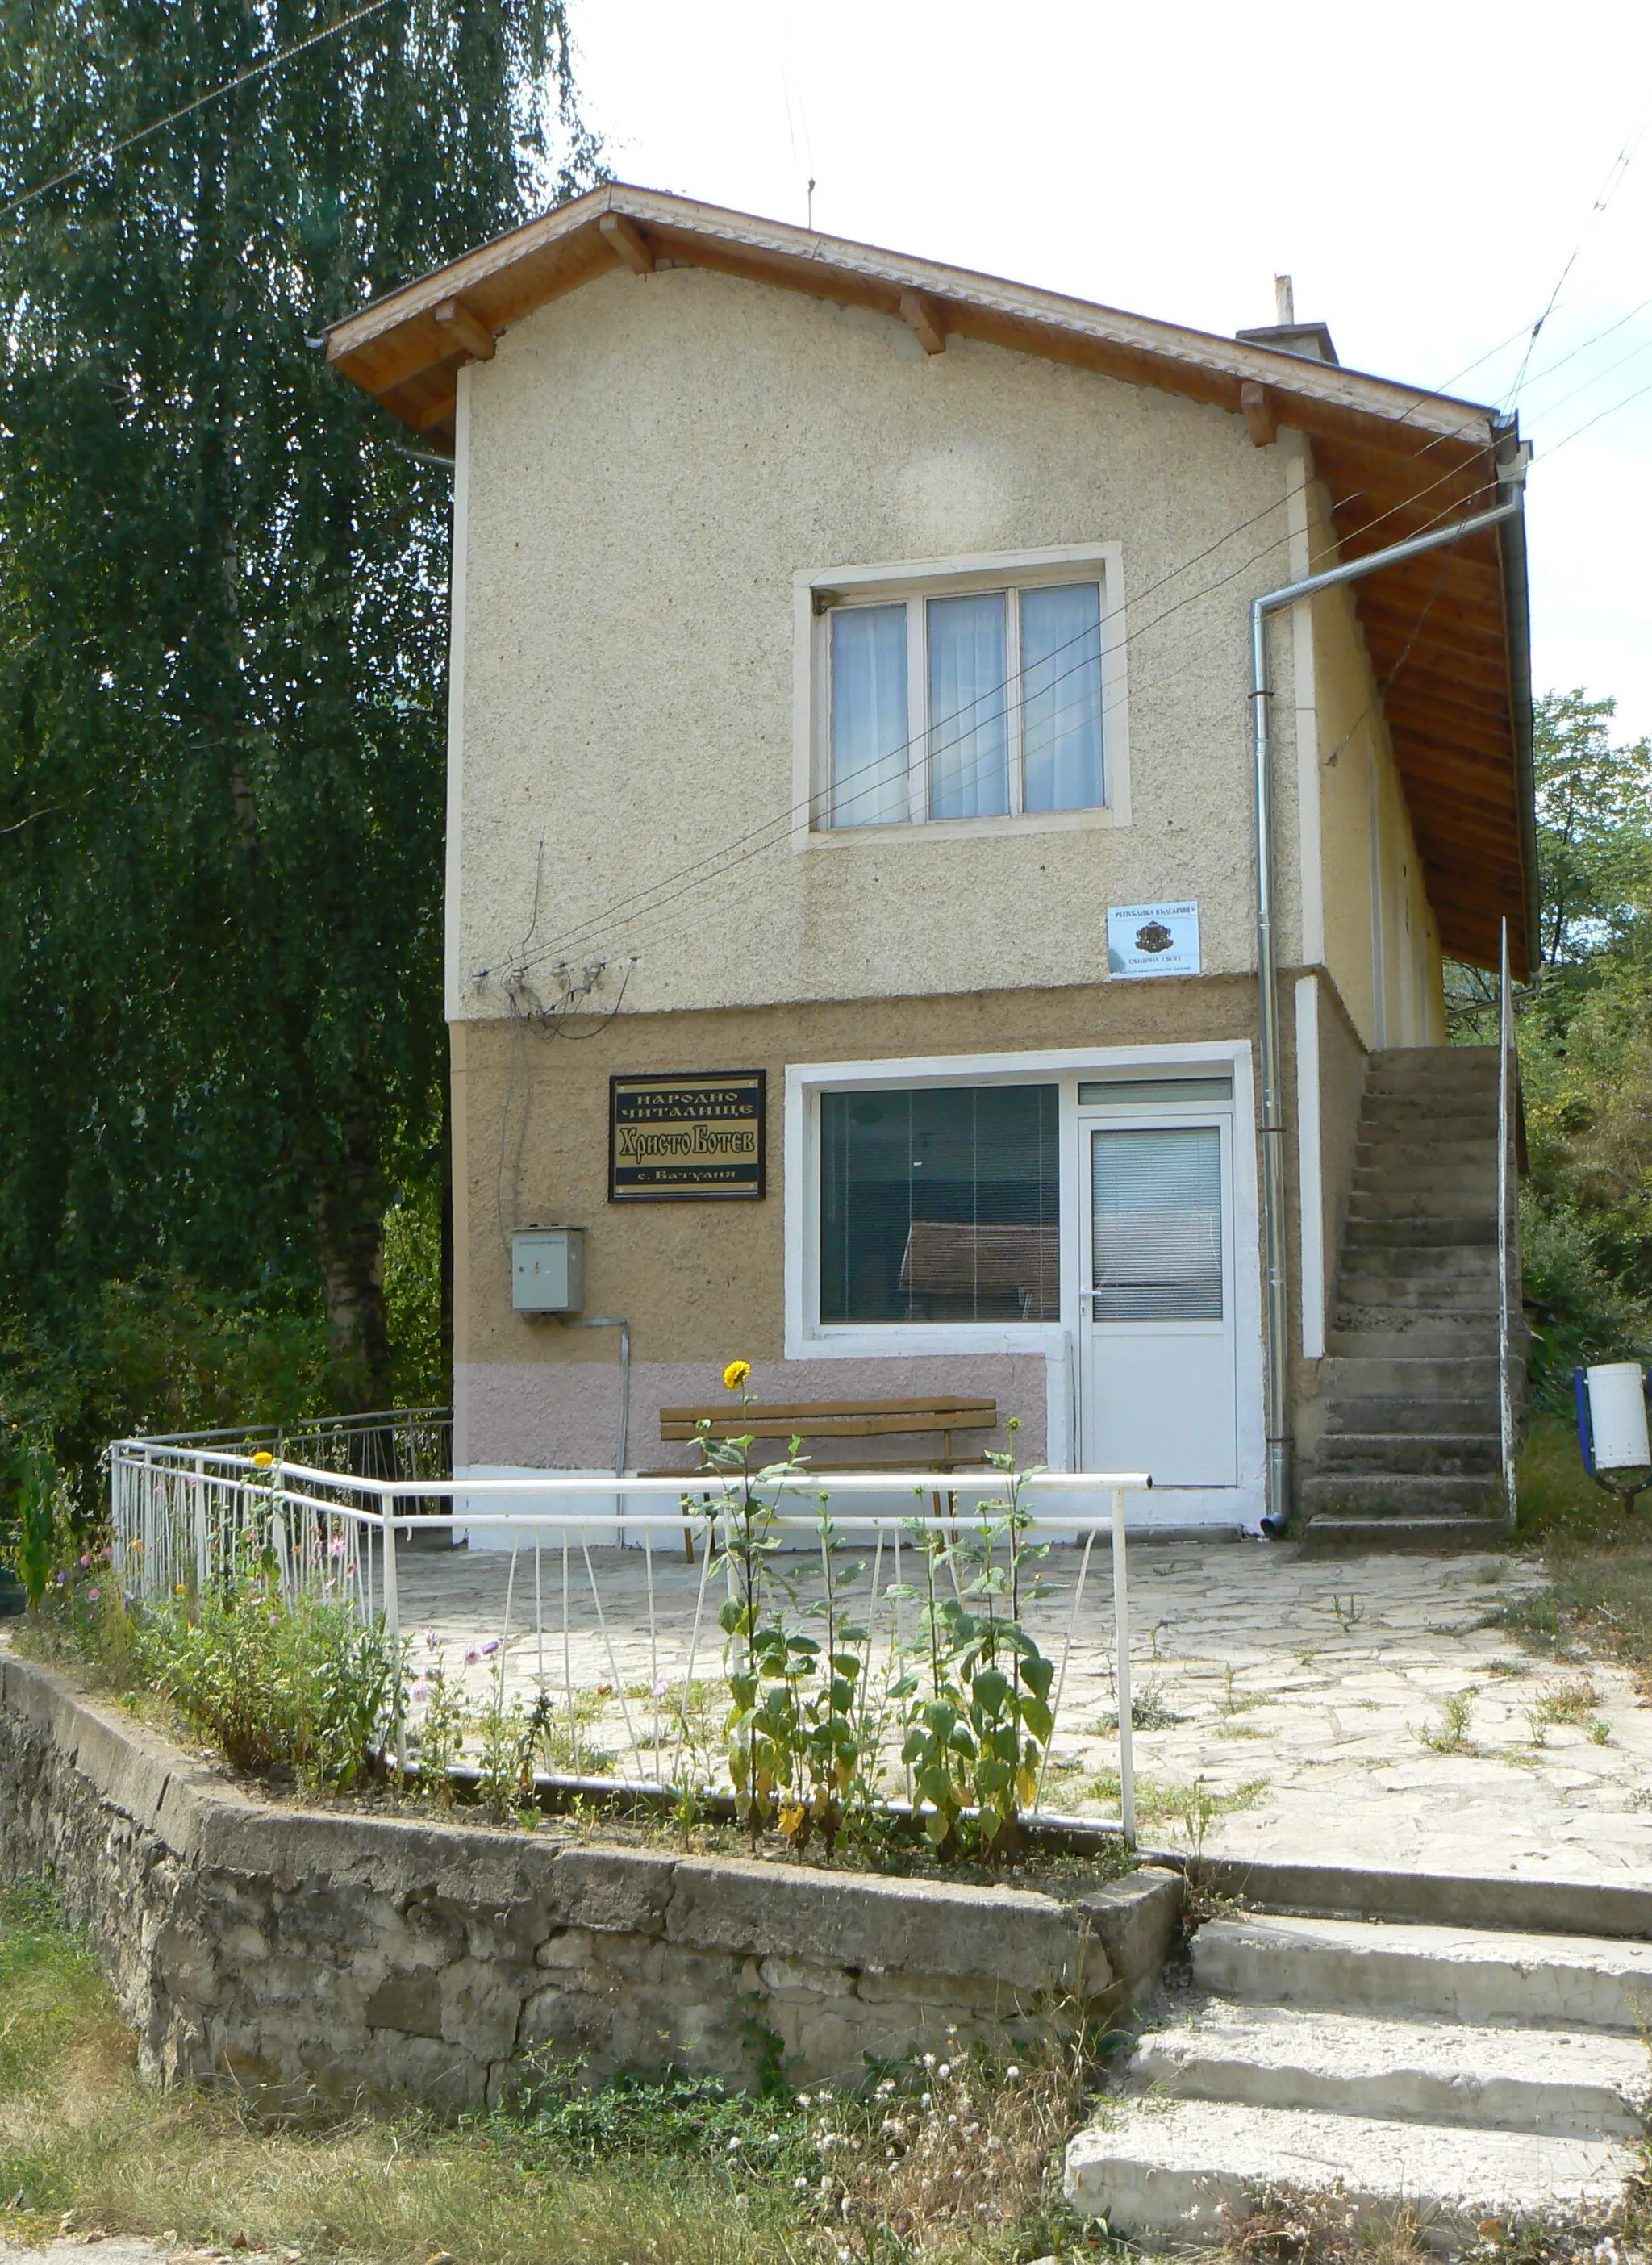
column 548, row 1270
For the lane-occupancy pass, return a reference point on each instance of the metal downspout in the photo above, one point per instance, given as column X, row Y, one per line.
column 1276, row 1305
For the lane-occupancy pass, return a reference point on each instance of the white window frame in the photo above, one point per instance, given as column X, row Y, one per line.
column 807, row 1338
column 816, row 595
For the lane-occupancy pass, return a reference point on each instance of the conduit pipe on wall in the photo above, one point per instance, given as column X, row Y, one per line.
column 614, row 1322
column 1512, row 478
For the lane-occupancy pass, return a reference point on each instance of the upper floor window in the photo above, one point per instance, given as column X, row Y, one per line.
column 965, row 703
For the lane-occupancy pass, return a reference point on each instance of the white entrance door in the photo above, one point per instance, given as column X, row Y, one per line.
column 1156, row 1326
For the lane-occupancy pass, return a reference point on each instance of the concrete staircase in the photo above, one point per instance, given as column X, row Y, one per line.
column 1463, row 2074
column 1408, row 1453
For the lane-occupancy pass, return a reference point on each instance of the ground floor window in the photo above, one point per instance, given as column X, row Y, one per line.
column 940, row 1203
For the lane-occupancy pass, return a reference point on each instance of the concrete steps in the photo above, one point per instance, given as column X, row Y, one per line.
column 1422, row 1332
column 1454, row 2072
column 1463, row 1974
column 1566, row 2087
column 1409, row 1230
column 1445, row 1454
column 1163, row 2172
column 1409, row 1398
column 1411, row 1493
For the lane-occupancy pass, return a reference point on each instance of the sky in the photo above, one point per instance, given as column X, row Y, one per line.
column 1432, row 176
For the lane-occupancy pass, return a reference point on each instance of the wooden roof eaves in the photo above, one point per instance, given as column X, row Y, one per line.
column 1317, row 396
column 1372, row 431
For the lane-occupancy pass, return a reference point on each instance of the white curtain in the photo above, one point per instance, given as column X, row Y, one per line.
column 969, row 741
column 1062, row 697
column 870, row 754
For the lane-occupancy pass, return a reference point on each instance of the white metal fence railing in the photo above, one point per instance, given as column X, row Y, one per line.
column 596, row 1600
column 385, row 1443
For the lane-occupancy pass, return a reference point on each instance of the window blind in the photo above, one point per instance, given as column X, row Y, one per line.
column 1157, row 1249
column 940, row 1203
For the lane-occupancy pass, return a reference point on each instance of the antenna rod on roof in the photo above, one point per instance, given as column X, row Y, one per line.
column 1283, row 301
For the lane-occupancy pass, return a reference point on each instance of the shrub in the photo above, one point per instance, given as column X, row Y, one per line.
column 36, row 1518
column 277, row 1682
column 1583, row 1314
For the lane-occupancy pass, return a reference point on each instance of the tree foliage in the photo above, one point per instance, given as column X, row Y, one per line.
column 222, row 625
column 1585, row 1041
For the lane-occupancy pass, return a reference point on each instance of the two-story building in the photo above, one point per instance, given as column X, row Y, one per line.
column 854, row 836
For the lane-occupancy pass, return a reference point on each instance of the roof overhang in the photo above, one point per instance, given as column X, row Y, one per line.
column 1446, row 634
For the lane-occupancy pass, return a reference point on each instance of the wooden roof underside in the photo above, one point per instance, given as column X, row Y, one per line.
column 1449, row 661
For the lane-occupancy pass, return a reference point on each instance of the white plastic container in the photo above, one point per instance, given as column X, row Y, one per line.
column 1617, row 1417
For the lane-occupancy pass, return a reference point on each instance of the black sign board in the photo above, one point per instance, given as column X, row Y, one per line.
column 698, row 1138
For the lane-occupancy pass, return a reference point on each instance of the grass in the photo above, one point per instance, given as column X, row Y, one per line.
column 1450, row 1735
column 1149, row 1710
column 675, row 2171
column 1556, row 1501
column 1190, row 1808
column 947, row 2162
column 1598, row 1600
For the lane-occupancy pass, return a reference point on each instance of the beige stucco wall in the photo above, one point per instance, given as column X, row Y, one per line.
column 701, row 1282
column 645, row 469
column 646, row 466
column 1361, row 799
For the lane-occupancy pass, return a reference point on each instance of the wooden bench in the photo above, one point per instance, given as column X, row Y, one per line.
column 943, row 1414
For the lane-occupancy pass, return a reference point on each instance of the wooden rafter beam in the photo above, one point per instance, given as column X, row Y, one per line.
column 1438, row 574
column 627, row 242
column 1478, row 685
column 1453, row 785
column 1424, row 726
column 439, row 411
column 466, row 330
column 926, row 318
column 1450, row 622
column 1432, row 770
column 1442, row 822
column 1255, row 407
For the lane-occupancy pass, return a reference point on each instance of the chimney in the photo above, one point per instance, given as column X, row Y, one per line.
column 1285, row 334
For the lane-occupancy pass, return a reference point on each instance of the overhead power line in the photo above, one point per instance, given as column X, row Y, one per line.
column 157, row 126
column 1589, row 422
column 653, row 939
column 771, row 831
column 1608, row 189
column 686, row 880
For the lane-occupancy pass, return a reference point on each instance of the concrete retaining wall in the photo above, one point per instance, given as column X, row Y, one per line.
column 364, row 1955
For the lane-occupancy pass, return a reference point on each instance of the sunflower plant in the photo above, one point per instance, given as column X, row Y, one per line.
column 977, row 1696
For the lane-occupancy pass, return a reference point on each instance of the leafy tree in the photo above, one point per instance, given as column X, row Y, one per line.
column 1594, row 821
column 222, row 631
column 1584, row 1029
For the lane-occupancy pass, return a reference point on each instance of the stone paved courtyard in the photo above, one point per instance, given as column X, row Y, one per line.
column 1360, row 1712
